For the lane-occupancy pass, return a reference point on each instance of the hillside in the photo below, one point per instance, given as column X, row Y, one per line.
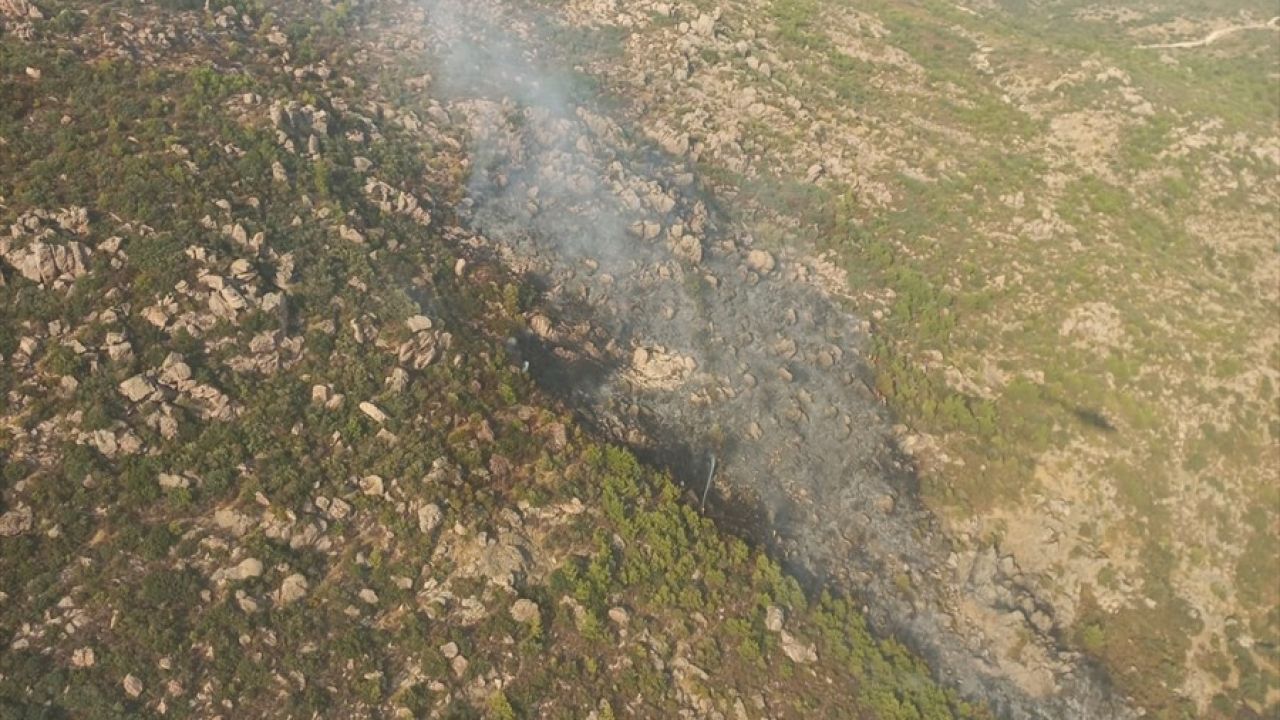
column 1058, row 219
column 538, row 358
column 267, row 450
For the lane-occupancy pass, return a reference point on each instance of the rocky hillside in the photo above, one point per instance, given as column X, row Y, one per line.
column 707, row 359
column 1058, row 220
column 271, row 442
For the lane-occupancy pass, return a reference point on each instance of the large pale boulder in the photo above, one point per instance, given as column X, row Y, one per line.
column 293, row 589
column 137, row 388
column 43, row 262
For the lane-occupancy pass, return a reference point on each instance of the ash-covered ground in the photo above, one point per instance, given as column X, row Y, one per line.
column 681, row 337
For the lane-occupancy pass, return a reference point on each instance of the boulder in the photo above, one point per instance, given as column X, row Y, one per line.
column 371, row 485
column 248, row 568
column 429, row 517
column 373, row 411
column 773, row 619
column 16, row 521
column 137, row 388
column 228, row 519
column 132, row 686
column 83, row 657
column 799, row 652
column 293, row 588
column 42, row 262
column 173, row 482
column 760, row 261
column 524, row 611
column 418, row 323
column 20, row 9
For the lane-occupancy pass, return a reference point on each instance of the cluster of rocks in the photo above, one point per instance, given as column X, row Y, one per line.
column 173, row 384
column 424, row 345
column 522, row 549
column 391, row 200
column 227, row 295
column 17, row 521
column 112, row 442
column 270, row 352
column 40, row 249
column 296, row 124
column 64, row 620
column 20, row 9
column 18, row 17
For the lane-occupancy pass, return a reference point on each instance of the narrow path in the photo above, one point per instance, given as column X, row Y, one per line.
column 1216, row 35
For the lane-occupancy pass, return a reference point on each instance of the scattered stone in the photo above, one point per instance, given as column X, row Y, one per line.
column 339, row 509
column 132, row 686
column 83, row 657
column 1008, row 568
column 173, row 482
column 760, row 261
column 619, row 616
column 541, row 326
column 248, row 568
column 1041, row 621
column 773, row 618
column 373, row 411
column 798, row 651
column 350, row 234
column 984, row 568
column 371, row 485
column 16, row 521
column 418, row 323
column 429, row 517
column 885, row 503
column 524, row 611
column 398, row 380
column 175, row 370
column 293, row 588
column 229, row 519
column 459, row 665
column 137, row 388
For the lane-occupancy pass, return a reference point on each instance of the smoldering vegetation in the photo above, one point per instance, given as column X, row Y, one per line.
column 681, row 337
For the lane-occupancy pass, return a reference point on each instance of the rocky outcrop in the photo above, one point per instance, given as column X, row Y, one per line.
column 41, row 249
column 20, row 10
column 16, row 521
column 48, row 264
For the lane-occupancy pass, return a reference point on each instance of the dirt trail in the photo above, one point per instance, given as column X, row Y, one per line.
column 1216, row 35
